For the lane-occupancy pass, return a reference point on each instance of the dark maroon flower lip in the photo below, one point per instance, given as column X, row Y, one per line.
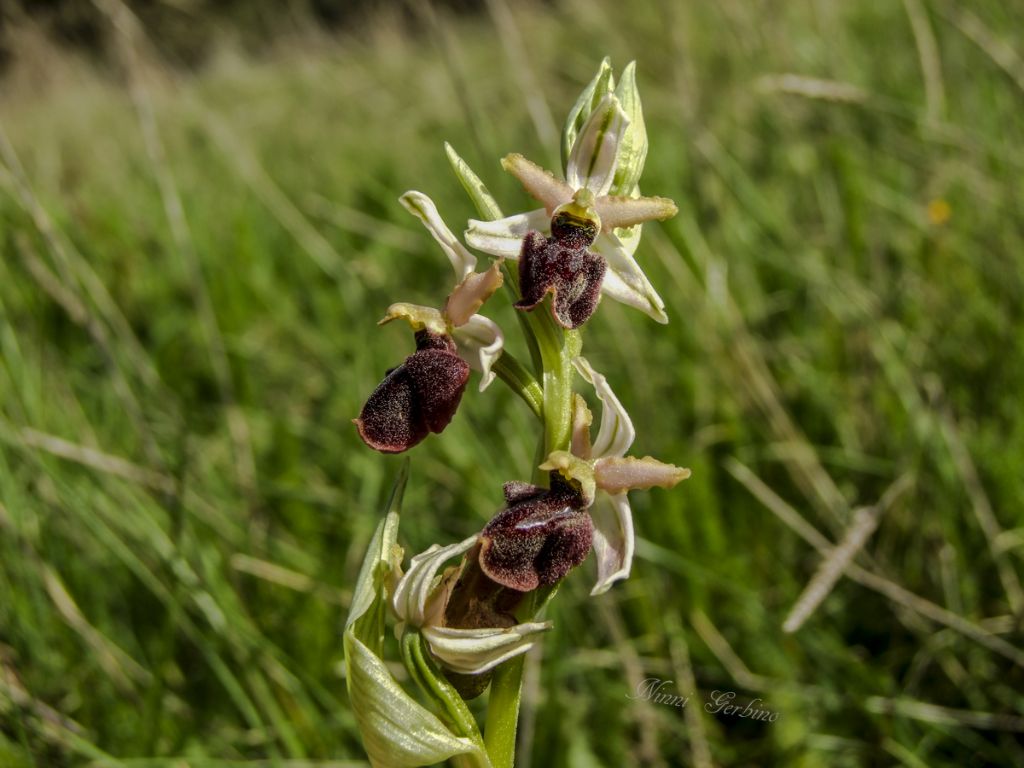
column 563, row 266
column 418, row 397
column 540, row 535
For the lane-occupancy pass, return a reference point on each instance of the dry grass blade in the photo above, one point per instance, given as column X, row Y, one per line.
column 933, row 713
column 812, row 88
column 983, row 512
column 894, row 592
column 77, row 268
column 780, row 508
column 700, row 750
column 726, row 656
column 1004, row 55
column 865, row 521
column 95, row 459
column 287, row 578
column 122, row 668
column 928, row 55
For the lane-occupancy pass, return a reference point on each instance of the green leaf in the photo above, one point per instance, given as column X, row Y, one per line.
column 397, row 731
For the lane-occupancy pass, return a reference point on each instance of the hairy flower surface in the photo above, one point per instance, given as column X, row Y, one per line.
column 540, row 536
column 418, row 397
column 563, row 265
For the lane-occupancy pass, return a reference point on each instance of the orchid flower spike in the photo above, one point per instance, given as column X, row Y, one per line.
column 419, row 600
column 605, row 146
column 421, row 395
column 605, row 475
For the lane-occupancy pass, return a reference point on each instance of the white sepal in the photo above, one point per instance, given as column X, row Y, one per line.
column 594, row 157
column 504, row 237
column 420, row 599
column 625, row 281
column 480, row 342
column 412, row 598
column 613, row 539
column 473, row 651
column 603, row 83
column 616, row 433
column 423, row 208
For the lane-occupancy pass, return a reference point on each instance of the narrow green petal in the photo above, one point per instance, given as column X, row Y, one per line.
column 485, row 203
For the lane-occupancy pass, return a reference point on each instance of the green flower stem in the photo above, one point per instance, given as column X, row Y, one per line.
column 557, row 348
column 551, row 350
column 503, row 713
column 520, row 381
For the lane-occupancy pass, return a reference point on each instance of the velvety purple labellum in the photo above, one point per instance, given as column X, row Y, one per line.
column 418, row 397
column 539, row 537
column 565, row 267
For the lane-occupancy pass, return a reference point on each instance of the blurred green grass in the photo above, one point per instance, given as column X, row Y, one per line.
column 183, row 501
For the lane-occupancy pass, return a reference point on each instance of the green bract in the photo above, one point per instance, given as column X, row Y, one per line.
column 397, row 731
